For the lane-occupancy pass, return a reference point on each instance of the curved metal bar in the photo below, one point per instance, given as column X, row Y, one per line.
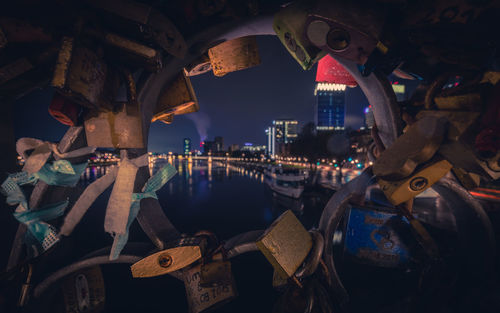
column 475, row 231
column 330, row 219
column 98, row 260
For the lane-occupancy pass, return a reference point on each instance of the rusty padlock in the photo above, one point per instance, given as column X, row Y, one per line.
column 120, row 127
column 80, row 73
column 201, row 299
column 285, row 244
column 176, row 99
column 234, row 55
column 289, row 24
column 84, row 291
column 182, row 253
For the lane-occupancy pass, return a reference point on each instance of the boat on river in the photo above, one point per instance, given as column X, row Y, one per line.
column 286, row 181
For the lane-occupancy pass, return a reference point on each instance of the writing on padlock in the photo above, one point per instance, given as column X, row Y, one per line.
column 201, row 298
column 185, row 252
column 84, row 291
column 234, row 55
column 285, row 244
column 176, row 99
column 289, row 26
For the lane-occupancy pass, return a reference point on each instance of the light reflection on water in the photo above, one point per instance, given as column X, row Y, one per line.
column 228, row 199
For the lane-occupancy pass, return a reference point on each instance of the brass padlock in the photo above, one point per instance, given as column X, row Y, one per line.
column 215, row 272
column 80, row 73
column 120, row 127
column 184, row 253
column 403, row 190
column 201, row 298
column 285, row 244
column 289, row 25
column 178, row 98
column 468, row 180
column 84, row 291
column 416, row 146
column 234, row 55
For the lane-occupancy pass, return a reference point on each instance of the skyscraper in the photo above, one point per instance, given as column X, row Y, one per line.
column 219, row 143
column 271, row 140
column 332, row 80
column 187, row 145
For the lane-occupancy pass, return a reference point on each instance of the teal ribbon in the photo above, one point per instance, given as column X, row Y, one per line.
column 149, row 190
column 61, row 173
column 35, row 220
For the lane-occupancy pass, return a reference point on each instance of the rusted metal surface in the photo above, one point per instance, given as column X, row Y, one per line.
column 234, row 55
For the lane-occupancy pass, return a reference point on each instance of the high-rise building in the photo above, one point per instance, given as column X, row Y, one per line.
column 271, row 140
column 187, row 145
column 330, row 106
column 286, row 130
column 219, row 144
column 332, row 80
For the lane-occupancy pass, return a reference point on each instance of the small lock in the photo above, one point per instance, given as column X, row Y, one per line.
column 64, row 110
column 400, row 191
column 84, row 291
column 285, row 244
column 80, row 73
column 183, row 253
column 176, row 99
column 234, row 55
column 289, row 26
column 201, row 299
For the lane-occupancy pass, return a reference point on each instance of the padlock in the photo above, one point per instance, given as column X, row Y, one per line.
column 84, row 291
column 285, row 244
column 215, row 272
column 80, row 73
column 468, row 180
column 176, row 99
column 331, row 27
column 200, row 66
column 289, row 24
column 181, row 254
column 372, row 236
column 118, row 128
column 64, row 110
column 234, row 55
column 201, row 299
column 416, row 146
column 399, row 191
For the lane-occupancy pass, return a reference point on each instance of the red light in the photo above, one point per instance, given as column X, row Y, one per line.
column 395, row 83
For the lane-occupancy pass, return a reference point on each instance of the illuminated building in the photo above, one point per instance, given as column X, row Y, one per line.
column 271, row 140
column 219, row 144
column 399, row 90
column 187, row 145
column 286, row 130
column 332, row 80
column 254, row 149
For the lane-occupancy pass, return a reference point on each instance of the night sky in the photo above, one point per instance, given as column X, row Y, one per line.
column 238, row 106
